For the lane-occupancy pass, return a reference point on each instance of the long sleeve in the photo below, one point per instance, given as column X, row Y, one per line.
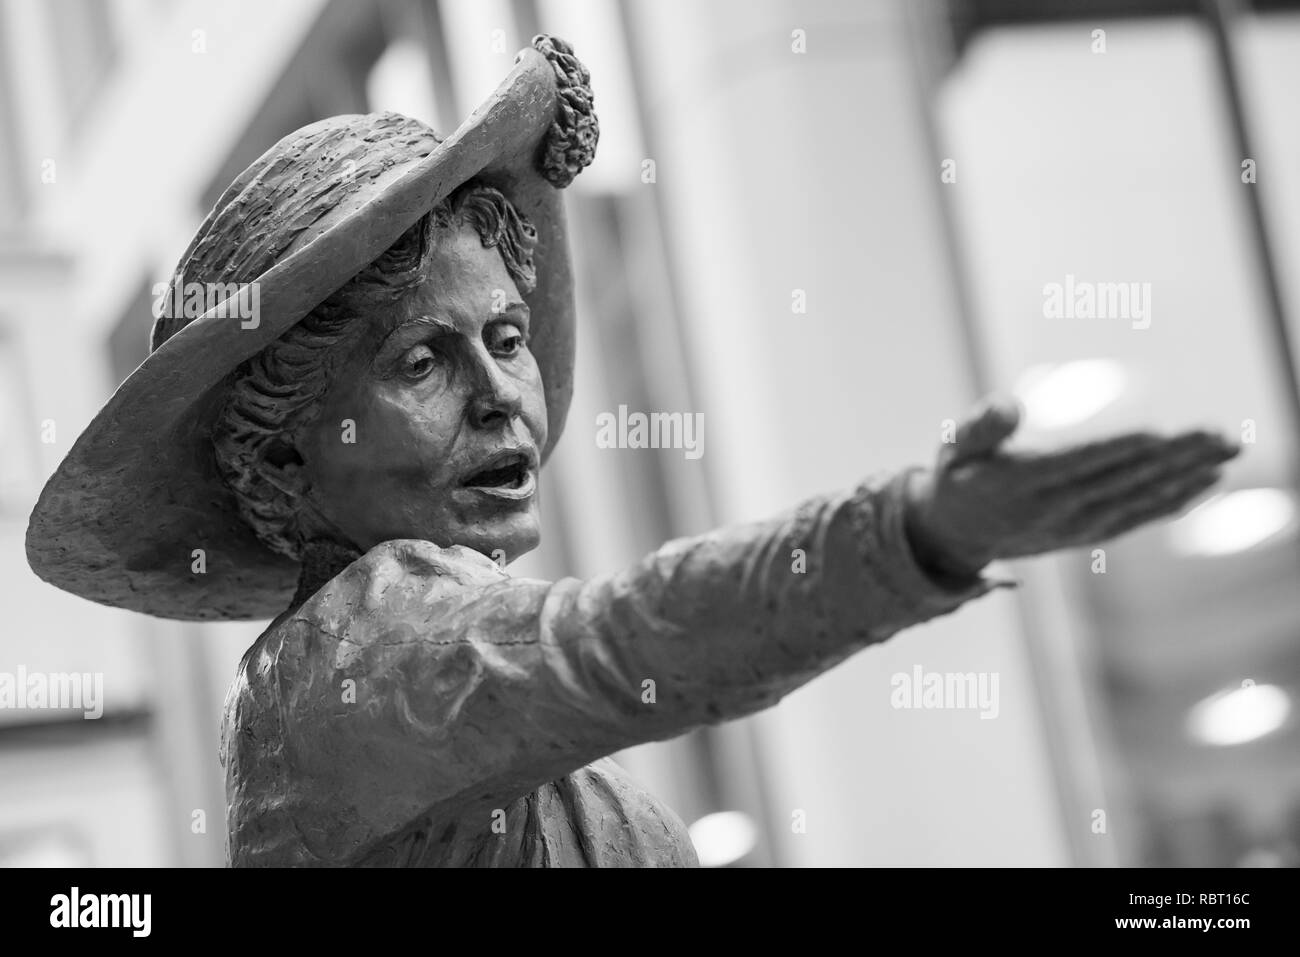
column 425, row 678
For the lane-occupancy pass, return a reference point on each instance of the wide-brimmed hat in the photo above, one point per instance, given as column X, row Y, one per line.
column 121, row 519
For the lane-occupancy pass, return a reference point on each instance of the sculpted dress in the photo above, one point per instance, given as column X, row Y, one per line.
column 422, row 695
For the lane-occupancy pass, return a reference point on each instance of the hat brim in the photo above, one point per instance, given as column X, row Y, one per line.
column 122, row 519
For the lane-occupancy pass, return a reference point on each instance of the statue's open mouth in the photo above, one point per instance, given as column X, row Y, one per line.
column 506, row 475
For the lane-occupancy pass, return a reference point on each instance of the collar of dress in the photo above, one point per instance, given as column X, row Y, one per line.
column 320, row 561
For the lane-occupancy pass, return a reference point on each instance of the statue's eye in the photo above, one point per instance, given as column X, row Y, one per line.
column 504, row 339
column 418, row 363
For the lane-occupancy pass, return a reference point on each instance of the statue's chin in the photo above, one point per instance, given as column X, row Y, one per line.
column 503, row 540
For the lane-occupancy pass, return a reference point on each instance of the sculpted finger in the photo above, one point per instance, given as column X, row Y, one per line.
column 1063, row 466
column 1145, row 473
column 992, row 422
column 1140, row 453
column 1159, row 502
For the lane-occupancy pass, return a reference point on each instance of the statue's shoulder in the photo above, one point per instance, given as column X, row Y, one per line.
column 396, row 593
column 392, row 589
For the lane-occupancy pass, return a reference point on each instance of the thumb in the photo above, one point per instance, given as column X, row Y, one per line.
column 992, row 422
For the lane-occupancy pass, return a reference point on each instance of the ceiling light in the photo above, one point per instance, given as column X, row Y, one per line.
column 1234, row 522
column 723, row 838
column 1239, row 715
column 1057, row 396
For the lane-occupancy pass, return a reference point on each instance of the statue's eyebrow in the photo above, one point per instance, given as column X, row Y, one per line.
column 395, row 342
column 442, row 325
column 517, row 310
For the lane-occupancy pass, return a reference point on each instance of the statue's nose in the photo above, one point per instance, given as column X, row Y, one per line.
column 497, row 397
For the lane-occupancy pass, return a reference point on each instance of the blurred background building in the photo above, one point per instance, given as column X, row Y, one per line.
column 826, row 225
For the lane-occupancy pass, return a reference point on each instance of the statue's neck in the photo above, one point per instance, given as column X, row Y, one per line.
column 321, row 560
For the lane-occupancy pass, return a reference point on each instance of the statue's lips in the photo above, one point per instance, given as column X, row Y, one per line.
column 510, row 474
column 519, row 493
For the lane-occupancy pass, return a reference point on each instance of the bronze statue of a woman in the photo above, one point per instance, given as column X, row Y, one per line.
column 353, row 457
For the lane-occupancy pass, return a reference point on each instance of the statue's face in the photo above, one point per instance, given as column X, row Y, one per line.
column 449, row 414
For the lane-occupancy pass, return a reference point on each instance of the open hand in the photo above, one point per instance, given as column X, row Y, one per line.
column 982, row 503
